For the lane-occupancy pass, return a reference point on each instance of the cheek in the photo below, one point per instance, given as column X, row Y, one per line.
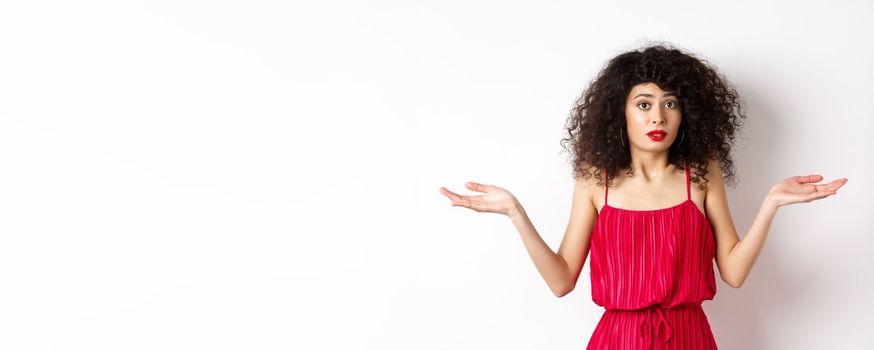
column 635, row 121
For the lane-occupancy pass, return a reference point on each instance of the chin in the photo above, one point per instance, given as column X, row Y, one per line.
column 656, row 148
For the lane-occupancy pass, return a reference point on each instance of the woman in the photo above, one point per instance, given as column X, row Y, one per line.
column 651, row 123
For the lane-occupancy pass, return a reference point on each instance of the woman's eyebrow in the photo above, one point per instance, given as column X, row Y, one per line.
column 649, row 95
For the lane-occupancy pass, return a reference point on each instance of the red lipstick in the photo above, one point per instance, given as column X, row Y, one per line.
column 657, row 134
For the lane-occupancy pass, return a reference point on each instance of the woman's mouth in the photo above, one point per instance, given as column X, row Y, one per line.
column 657, row 135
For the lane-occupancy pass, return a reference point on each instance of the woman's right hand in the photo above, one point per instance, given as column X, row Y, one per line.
column 494, row 199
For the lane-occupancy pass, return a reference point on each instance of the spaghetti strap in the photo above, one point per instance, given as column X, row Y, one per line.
column 605, row 186
column 688, row 191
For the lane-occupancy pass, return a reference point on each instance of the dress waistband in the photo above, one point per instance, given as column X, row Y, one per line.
column 654, row 320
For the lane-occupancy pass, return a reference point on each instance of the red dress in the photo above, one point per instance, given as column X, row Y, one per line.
column 651, row 270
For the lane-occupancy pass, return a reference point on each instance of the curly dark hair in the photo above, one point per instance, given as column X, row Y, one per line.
column 711, row 114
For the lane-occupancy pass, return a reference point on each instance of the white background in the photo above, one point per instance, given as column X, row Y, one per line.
column 264, row 175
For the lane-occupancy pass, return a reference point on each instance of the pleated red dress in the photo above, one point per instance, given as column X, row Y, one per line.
column 651, row 270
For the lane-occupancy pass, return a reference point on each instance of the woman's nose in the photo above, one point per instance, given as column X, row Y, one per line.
column 657, row 117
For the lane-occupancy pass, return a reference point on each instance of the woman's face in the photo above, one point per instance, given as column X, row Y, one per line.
column 649, row 108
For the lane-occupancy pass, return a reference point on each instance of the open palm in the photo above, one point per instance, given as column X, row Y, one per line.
column 494, row 199
column 803, row 189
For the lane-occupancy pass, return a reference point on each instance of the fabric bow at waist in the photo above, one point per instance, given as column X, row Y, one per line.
column 651, row 325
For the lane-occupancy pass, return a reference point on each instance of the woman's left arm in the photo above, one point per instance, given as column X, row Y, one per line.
column 735, row 257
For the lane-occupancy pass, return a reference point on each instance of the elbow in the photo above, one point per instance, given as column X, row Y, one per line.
column 734, row 283
column 562, row 291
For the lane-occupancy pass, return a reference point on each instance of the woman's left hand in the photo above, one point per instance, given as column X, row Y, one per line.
column 803, row 189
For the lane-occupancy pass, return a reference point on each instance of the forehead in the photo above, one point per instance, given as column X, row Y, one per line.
column 647, row 88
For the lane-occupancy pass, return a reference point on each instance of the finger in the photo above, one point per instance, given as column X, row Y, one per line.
column 456, row 198
column 808, row 178
column 448, row 193
column 821, row 187
column 827, row 189
column 475, row 186
column 834, row 185
column 819, row 195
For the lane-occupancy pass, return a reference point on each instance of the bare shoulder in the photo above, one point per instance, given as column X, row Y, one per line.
column 712, row 183
column 715, row 197
column 584, row 192
column 714, row 176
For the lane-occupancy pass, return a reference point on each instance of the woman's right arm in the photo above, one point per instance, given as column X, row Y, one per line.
column 561, row 270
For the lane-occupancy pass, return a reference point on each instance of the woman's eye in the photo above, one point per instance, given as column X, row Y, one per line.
column 672, row 104
column 642, row 103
